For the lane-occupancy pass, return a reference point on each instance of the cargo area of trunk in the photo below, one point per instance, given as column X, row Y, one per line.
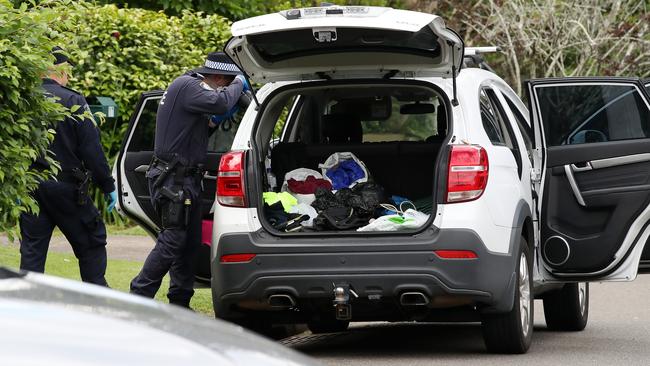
column 345, row 155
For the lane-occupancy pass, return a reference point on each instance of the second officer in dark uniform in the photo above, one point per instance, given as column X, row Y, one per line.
column 64, row 202
column 182, row 129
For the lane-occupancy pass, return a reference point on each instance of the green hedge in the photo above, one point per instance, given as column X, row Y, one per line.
column 123, row 52
column 119, row 53
column 26, row 117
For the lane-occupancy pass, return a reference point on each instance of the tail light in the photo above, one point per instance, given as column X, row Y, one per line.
column 468, row 173
column 231, row 190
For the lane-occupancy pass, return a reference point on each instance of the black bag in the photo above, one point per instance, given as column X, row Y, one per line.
column 364, row 198
column 339, row 218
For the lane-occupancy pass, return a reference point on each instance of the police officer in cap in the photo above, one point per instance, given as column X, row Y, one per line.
column 64, row 202
column 174, row 176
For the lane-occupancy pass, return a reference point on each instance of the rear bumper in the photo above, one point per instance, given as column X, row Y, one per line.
column 377, row 269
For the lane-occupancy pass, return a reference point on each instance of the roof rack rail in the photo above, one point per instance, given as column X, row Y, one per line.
column 474, row 57
column 471, row 51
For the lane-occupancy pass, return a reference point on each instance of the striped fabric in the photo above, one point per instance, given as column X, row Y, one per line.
column 221, row 66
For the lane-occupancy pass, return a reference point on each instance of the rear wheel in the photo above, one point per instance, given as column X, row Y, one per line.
column 567, row 309
column 512, row 332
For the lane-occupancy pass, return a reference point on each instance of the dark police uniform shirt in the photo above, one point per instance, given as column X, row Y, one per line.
column 76, row 143
column 183, row 117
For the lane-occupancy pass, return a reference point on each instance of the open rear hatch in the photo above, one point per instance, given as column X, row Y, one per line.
column 342, row 42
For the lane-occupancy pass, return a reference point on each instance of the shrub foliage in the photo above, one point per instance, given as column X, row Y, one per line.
column 26, row 116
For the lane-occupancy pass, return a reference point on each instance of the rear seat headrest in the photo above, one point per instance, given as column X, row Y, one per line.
column 441, row 124
column 342, row 128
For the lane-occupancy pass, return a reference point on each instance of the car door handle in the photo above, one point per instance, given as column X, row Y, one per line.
column 583, row 168
column 568, row 170
column 209, row 176
column 141, row 169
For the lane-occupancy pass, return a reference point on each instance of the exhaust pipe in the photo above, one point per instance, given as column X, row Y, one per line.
column 282, row 301
column 415, row 298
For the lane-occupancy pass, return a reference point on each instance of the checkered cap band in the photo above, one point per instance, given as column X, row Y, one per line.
column 221, row 66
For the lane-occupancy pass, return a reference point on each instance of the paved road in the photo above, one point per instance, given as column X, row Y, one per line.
column 618, row 333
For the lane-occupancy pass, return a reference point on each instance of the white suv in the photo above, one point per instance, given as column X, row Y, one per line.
column 518, row 208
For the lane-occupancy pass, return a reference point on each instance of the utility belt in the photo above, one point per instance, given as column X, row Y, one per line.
column 175, row 204
column 81, row 179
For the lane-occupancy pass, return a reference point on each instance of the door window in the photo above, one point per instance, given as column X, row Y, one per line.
column 493, row 121
column 495, row 116
column 222, row 136
column 144, row 134
column 588, row 113
column 525, row 129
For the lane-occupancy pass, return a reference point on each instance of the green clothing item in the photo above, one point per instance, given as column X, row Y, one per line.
column 286, row 198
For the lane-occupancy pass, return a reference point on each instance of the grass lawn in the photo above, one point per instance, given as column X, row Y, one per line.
column 115, row 230
column 118, row 274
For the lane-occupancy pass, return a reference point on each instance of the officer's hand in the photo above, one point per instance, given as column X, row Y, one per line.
column 244, row 82
column 111, row 198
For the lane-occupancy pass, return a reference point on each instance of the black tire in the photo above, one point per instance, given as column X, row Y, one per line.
column 564, row 310
column 506, row 333
column 330, row 326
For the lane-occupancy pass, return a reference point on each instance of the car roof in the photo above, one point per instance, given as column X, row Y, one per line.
column 52, row 315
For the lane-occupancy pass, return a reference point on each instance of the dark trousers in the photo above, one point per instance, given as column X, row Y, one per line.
column 81, row 224
column 174, row 251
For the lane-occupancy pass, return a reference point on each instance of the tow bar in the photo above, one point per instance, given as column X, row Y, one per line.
column 341, row 301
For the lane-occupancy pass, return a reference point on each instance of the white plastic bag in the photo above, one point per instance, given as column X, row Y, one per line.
column 305, row 209
column 338, row 157
column 299, row 174
column 411, row 219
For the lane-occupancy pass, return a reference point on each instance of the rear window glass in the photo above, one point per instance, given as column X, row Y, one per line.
column 407, row 127
column 274, row 46
column 583, row 113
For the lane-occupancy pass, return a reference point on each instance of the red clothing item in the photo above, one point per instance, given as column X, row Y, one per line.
column 309, row 185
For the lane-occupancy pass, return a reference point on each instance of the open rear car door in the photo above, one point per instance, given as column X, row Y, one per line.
column 331, row 42
column 594, row 205
column 133, row 161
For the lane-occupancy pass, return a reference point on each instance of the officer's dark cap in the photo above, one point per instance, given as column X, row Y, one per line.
column 220, row 64
column 60, row 56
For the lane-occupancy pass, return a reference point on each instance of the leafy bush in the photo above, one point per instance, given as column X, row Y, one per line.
column 26, row 117
column 119, row 53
